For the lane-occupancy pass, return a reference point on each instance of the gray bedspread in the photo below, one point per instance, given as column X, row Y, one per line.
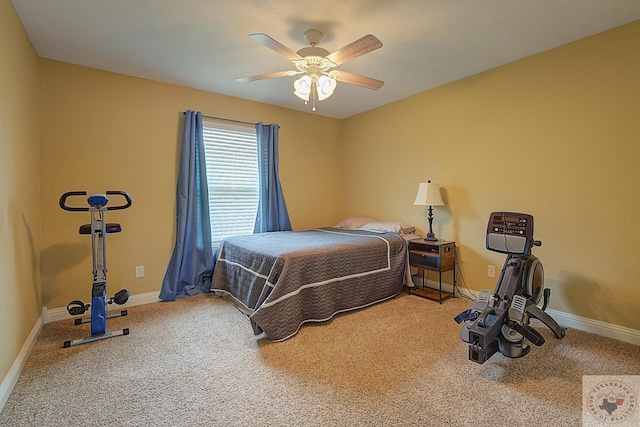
column 282, row 280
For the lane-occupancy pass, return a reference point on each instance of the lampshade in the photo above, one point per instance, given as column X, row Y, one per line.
column 302, row 87
column 429, row 194
column 326, row 85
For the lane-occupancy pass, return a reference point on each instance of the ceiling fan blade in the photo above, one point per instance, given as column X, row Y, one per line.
column 267, row 41
column 358, row 80
column 359, row 47
column 267, row 76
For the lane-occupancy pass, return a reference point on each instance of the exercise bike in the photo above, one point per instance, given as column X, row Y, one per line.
column 98, row 228
column 500, row 320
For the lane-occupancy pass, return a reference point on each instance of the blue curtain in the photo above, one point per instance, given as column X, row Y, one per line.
column 191, row 266
column 272, row 211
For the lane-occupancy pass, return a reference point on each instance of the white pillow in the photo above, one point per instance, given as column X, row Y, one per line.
column 389, row 226
column 354, row 222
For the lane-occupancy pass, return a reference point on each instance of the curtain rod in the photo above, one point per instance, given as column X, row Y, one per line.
column 184, row 113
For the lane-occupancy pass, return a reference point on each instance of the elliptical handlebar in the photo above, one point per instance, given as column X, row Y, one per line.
column 65, row 196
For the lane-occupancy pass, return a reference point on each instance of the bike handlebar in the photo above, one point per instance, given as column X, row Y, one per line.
column 63, row 201
column 123, row 194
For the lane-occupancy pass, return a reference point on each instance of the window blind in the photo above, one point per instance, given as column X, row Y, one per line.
column 232, row 176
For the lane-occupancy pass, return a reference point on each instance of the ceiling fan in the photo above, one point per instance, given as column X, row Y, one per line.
column 319, row 80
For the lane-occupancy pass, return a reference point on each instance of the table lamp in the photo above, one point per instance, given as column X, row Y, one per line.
column 429, row 195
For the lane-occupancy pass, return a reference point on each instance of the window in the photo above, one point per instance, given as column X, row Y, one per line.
column 232, row 176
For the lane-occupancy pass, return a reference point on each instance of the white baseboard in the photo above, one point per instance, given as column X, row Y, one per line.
column 620, row 333
column 61, row 313
column 12, row 376
column 609, row 330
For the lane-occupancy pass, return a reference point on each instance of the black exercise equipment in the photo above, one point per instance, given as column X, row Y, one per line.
column 98, row 228
column 500, row 320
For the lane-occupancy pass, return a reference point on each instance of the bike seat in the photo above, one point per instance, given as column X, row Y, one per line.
column 112, row 227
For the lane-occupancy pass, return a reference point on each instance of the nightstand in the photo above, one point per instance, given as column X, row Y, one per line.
column 440, row 256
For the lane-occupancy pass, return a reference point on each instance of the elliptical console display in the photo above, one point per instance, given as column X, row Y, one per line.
column 500, row 320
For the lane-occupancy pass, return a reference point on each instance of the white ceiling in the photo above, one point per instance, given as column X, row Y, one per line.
column 204, row 44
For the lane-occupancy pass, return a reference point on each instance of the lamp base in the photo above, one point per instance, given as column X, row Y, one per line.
column 431, row 237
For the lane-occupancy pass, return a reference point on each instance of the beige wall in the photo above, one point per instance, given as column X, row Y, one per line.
column 20, row 293
column 556, row 135
column 104, row 131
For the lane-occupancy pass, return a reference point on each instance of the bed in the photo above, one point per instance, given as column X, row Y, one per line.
column 282, row 280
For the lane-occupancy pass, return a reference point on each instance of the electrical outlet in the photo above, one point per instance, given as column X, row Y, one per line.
column 491, row 270
column 140, row 271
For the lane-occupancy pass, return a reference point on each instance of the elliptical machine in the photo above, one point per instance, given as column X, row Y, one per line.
column 99, row 301
column 500, row 320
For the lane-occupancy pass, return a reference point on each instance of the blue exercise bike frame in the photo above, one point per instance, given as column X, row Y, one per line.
column 98, row 228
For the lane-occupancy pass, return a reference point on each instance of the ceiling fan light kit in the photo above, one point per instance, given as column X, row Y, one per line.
column 315, row 63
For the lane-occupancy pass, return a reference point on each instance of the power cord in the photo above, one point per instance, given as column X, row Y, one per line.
column 459, row 274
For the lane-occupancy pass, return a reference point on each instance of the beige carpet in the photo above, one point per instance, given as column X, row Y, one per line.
column 399, row 363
